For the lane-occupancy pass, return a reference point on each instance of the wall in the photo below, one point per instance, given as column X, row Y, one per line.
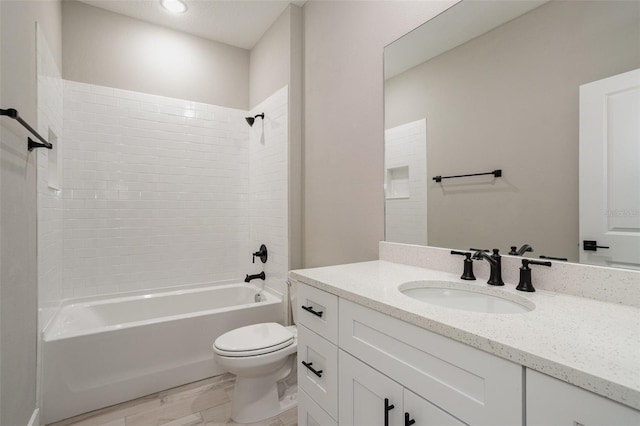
column 276, row 60
column 18, row 280
column 155, row 191
column 343, row 116
column 108, row 49
column 268, row 213
column 50, row 97
column 489, row 105
column 270, row 60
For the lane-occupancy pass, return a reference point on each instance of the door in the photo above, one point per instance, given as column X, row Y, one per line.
column 425, row 413
column 610, row 171
column 367, row 397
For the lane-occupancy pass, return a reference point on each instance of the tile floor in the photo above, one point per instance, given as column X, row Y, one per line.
column 207, row 402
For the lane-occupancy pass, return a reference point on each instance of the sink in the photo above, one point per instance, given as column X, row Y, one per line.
column 449, row 294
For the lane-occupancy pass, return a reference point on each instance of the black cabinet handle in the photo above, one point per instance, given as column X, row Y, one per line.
column 313, row 370
column 310, row 310
column 589, row 245
column 387, row 407
column 407, row 420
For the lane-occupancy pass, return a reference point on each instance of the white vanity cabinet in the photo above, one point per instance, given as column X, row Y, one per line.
column 554, row 402
column 369, row 398
column 367, row 357
column 457, row 382
column 317, row 314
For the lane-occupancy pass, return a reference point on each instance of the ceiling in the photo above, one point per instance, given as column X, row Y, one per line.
column 239, row 23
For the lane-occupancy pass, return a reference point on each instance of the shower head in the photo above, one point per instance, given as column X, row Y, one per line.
column 250, row 120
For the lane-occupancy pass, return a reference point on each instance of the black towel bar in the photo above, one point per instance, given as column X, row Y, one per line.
column 31, row 144
column 495, row 173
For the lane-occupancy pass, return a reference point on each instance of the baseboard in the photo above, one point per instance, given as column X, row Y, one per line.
column 35, row 418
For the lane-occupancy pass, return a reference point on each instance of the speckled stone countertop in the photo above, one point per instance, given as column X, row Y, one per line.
column 591, row 344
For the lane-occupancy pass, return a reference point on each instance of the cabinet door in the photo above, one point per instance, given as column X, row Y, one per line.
column 425, row 413
column 310, row 413
column 554, row 402
column 320, row 379
column 363, row 392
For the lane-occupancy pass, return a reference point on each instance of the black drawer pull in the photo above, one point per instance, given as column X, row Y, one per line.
column 387, row 408
column 408, row 421
column 313, row 370
column 310, row 310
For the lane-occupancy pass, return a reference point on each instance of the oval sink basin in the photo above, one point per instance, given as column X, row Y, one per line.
column 449, row 294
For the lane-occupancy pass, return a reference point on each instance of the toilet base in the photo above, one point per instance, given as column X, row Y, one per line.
column 256, row 399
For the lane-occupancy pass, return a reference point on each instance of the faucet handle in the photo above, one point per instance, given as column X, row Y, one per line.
column 467, row 273
column 262, row 254
column 474, row 249
column 525, row 283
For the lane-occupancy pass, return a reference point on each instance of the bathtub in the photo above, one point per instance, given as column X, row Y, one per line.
column 99, row 352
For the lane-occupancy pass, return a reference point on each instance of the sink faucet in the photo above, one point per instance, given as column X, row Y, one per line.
column 521, row 250
column 495, row 263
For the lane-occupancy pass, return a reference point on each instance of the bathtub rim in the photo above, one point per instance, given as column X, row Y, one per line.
column 273, row 297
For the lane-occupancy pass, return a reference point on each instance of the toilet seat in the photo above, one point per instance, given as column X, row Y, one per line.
column 252, row 340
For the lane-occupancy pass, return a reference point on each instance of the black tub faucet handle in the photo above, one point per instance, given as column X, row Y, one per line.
column 262, row 254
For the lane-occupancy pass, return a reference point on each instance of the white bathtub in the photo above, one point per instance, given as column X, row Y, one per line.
column 100, row 352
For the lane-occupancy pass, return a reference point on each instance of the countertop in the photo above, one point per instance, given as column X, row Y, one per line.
column 592, row 344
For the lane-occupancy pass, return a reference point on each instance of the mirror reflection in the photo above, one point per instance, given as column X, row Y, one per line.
column 546, row 92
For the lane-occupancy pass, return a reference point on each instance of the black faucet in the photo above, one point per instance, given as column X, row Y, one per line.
column 248, row 278
column 262, row 254
column 495, row 262
column 525, row 274
column 521, row 250
column 467, row 274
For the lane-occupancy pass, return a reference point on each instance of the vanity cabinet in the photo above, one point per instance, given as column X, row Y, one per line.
column 552, row 401
column 441, row 381
column 317, row 314
column 369, row 398
column 468, row 384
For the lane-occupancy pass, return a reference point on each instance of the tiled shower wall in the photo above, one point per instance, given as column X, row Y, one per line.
column 50, row 101
column 406, row 217
column 156, row 191
column 268, row 207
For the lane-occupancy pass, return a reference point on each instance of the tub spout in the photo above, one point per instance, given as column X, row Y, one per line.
column 248, row 278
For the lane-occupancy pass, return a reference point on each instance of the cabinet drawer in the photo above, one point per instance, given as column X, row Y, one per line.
column 319, row 378
column 310, row 413
column 552, row 401
column 318, row 311
column 478, row 388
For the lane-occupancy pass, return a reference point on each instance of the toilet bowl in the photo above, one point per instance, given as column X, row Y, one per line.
column 263, row 357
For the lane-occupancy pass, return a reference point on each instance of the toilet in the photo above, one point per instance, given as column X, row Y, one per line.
column 263, row 358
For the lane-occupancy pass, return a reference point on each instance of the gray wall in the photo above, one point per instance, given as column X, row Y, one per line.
column 18, row 278
column 343, row 123
column 105, row 48
column 276, row 61
column 509, row 99
column 270, row 60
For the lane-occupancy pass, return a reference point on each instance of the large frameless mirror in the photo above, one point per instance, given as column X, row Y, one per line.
column 541, row 102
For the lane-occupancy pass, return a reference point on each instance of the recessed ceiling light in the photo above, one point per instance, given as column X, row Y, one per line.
column 174, row 6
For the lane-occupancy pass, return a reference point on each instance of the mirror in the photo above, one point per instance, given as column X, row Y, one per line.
column 495, row 86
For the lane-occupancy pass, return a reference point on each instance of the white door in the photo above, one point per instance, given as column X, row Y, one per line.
column 425, row 413
column 367, row 397
column 610, row 171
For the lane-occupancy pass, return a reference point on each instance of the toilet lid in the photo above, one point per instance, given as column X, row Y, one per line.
column 253, row 339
